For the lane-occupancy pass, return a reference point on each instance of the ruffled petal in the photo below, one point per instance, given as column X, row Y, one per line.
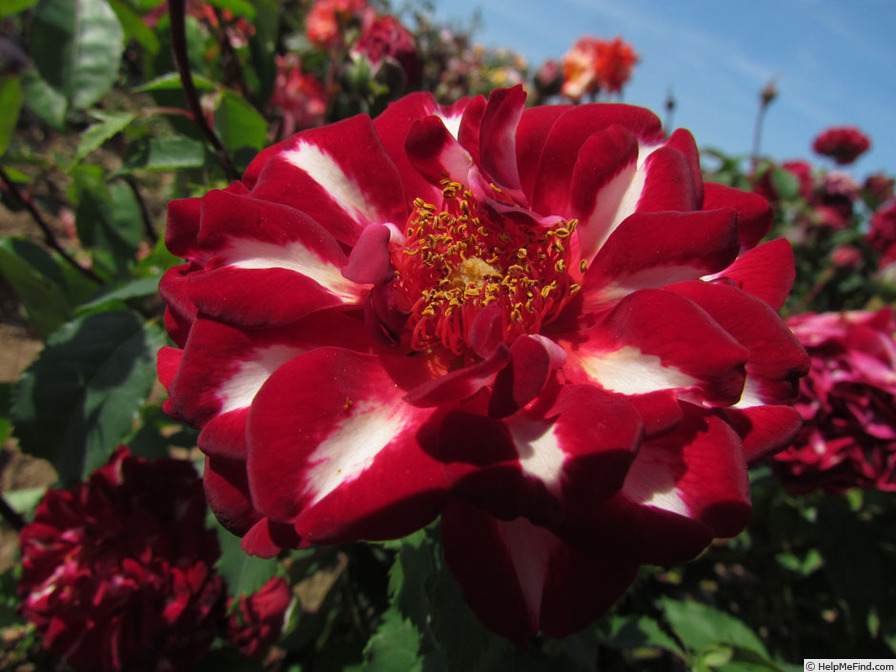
column 520, row 578
column 330, row 428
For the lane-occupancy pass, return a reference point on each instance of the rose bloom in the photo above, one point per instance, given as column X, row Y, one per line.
column 328, row 18
column 844, row 144
column 384, row 38
column 848, row 403
column 882, row 234
column 801, row 170
column 592, row 65
column 300, row 97
column 877, row 189
column 257, row 621
column 539, row 325
column 117, row 572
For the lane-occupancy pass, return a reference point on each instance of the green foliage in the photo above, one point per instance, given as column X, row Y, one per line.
column 80, row 398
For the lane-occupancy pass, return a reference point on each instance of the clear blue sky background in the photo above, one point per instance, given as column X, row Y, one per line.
column 834, row 61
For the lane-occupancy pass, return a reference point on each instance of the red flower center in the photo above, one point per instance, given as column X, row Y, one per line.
column 466, row 256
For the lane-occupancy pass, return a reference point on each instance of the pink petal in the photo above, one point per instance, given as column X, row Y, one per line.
column 498, row 136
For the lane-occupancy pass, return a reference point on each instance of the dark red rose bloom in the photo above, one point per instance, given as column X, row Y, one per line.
column 537, row 324
column 878, row 189
column 258, row 619
column 882, row 234
column 848, row 404
column 384, row 38
column 117, row 572
column 844, row 144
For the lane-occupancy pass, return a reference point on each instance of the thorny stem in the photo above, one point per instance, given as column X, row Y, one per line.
column 144, row 211
column 49, row 237
column 182, row 63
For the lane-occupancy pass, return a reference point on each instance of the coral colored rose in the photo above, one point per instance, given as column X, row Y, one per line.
column 117, row 572
column 327, row 20
column 592, row 65
column 848, row 404
column 844, row 144
column 539, row 325
column 300, row 97
column 384, row 38
column 258, row 620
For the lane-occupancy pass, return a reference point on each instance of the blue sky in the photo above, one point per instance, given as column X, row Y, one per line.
column 834, row 61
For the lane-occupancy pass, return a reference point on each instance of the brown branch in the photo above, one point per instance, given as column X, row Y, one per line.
column 177, row 12
column 49, row 237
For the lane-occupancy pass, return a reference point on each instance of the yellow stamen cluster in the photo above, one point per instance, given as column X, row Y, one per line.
column 458, row 259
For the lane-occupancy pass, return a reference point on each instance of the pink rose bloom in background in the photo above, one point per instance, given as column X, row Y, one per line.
column 384, row 38
column 300, row 97
column 118, row 572
column 538, row 325
column 327, row 20
column 258, row 620
column 844, row 144
column 848, row 404
column 882, row 234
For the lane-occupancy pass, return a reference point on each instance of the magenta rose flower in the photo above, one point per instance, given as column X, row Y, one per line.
column 848, row 404
column 882, row 234
column 384, row 38
column 257, row 620
column 117, row 572
column 538, row 325
column 844, row 144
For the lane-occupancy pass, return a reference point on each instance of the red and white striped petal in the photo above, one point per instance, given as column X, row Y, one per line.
column 776, row 360
column 333, row 450
column 766, row 271
column 683, row 489
column 339, row 175
column 754, row 215
column 658, row 340
column 652, row 250
column 222, row 367
column 520, row 578
column 764, row 429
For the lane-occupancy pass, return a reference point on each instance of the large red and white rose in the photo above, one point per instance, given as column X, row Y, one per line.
column 539, row 324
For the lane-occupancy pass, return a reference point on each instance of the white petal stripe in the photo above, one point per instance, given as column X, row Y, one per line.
column 629, row 371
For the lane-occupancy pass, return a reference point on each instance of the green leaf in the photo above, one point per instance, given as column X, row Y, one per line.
column 43, row 99
column 109, row 124
column 109, row 224
column 243, row 573
column 130, row 289
column 134, row 27
column 37, row 280
column 5, row 402
column 80, row 398
column 239, row 124
column 395, row 646
column 635, row 632
column 11, row 100
column 13, row 7
column 700, row 627
column 164, row 154
column 77, row 47
column 172, row 82
column 238, row 7
column 785, row 183
column 263, row 46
